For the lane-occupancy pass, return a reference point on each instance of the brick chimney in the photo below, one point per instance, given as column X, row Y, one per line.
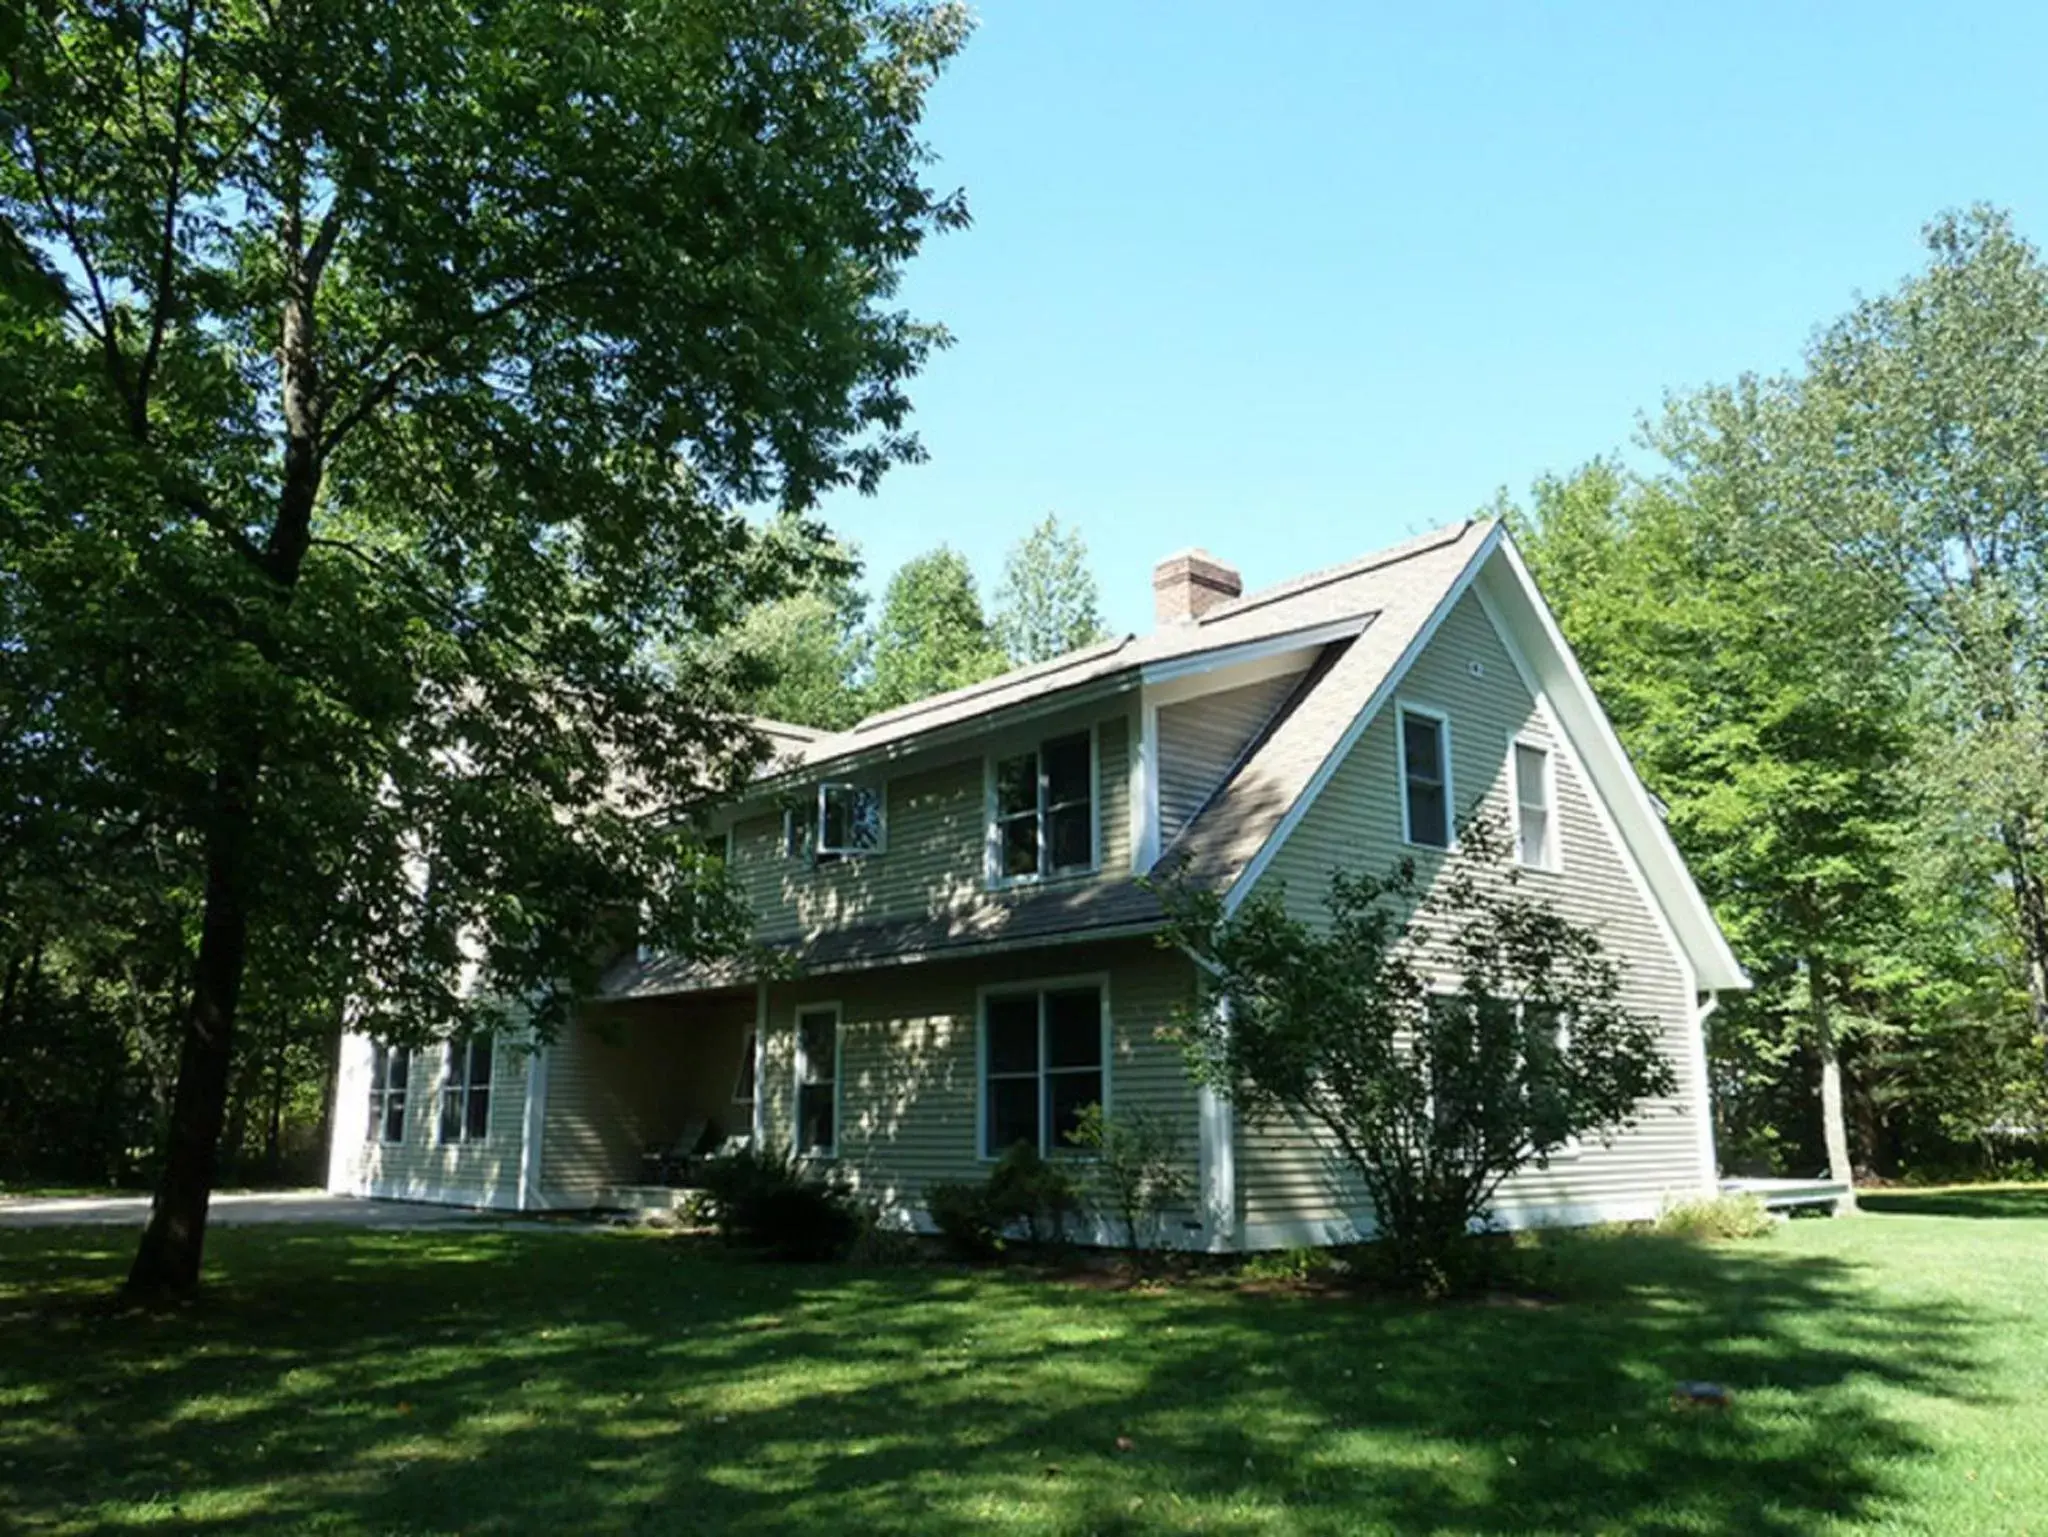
column 1187, row 585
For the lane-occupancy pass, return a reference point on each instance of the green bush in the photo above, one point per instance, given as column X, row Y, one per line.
column 961, row 1214
column 1024, row 1188
column 1297, row 1264
column 772, row 1203
column 1135, row 1175
column 1721, row 1216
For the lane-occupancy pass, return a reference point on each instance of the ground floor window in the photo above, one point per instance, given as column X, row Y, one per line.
column 390, row 1073
column 466, row 1090
column 817, row 1081
column 1043, row 1052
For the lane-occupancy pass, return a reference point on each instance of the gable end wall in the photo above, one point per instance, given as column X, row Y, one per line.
column 1289, row 1188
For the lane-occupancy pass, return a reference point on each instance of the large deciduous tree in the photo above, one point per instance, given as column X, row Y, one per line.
column 1925, row 457
column 387, row 386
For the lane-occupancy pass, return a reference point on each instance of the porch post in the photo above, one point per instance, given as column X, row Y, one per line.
column 760, row 1127
column 533, row 1127
column 1218, row 1169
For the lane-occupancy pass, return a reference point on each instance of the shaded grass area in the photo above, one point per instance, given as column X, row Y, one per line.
column 1890, row 1373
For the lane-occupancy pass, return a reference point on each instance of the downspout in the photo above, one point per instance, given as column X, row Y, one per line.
column 1710, row 1158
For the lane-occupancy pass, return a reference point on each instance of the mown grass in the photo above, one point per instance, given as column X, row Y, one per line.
column 1890, row 1374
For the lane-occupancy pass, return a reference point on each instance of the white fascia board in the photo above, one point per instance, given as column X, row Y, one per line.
column 1535, row 632
column 1201, row 663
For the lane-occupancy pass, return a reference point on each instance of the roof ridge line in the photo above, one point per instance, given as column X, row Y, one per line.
column 1294, row 587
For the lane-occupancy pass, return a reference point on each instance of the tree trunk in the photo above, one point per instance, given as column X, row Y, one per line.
column 1834, row 1126
column 167, row 1262
column 2030, row 898
column 273, row 1129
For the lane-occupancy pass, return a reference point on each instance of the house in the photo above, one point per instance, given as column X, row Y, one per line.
column 958, row 887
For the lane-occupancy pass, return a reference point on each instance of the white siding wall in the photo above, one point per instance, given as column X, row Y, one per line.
column 1289, row 1189
column 420, row 1167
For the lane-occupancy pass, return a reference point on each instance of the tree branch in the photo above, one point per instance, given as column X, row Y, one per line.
column 381, row 392
column 181, row 112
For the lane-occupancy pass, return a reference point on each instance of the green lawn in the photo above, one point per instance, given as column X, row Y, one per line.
column 1891, row 1374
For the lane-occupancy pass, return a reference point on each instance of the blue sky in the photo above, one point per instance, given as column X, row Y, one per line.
column 1292, row 281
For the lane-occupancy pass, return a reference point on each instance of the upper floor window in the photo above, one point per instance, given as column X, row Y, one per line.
column 845, row 822
column 817, row 1081
column 1043, row 810
column 390, row 1073
column 1425, row 778
column 466, row 1090
column 1535, row 824
column 1042, row 1063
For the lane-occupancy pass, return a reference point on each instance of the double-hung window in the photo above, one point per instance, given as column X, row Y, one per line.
column 1535, row 823
column 1043, row 810
column 390, row 1073
column 1425, row 778
column 466, row 1090
column 1043, row 1062
column 817, row 1081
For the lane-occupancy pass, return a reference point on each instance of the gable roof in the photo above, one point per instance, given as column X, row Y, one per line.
column 1367, row 621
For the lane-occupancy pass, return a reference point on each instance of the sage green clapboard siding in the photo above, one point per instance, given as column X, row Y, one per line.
column 421, row 1167
column 1284, row 1174
column 936, row 819
column 908, row 1064
column 1201, row 739
column 626, row 1079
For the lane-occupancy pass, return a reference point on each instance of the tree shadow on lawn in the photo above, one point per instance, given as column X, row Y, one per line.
column 1982, row 1201
column 549, row 1382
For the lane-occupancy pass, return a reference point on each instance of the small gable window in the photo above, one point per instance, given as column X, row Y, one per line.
column 466, row 1090
column 1425, row 778
column 1535, row 822
column 1043, row 810
column 390, row 1072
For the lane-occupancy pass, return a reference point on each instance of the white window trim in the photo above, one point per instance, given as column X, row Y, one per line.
column 1403, row 708
column 819, row 850
column 1552, row 862
column 463, row 1136
column 992, row 843
column 798, row 1064
column 1099, row 980
column 380, row 1095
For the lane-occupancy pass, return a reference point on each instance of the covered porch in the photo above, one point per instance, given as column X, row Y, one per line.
column 639, row 1089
